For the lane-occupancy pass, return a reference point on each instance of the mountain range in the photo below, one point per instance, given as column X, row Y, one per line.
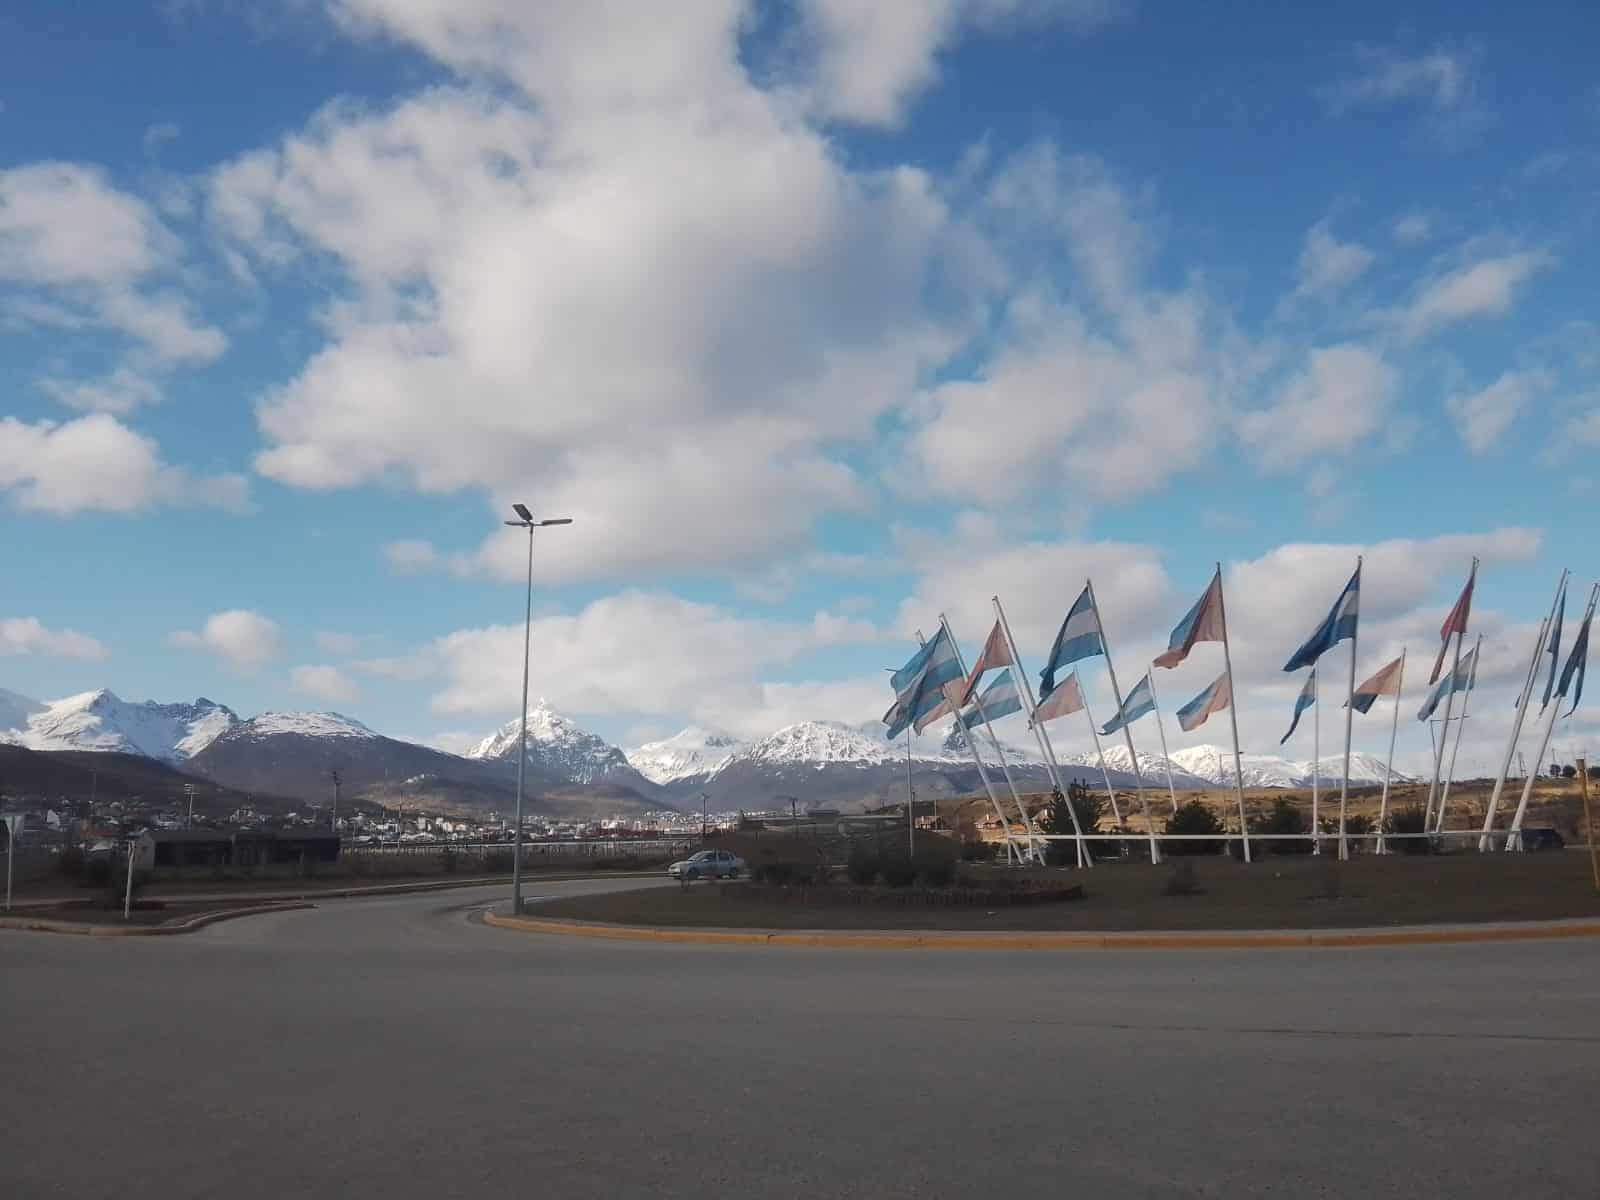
column 572, row 772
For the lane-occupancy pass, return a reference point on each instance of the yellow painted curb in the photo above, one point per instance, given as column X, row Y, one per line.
column 1267, row 940
column 199, row 921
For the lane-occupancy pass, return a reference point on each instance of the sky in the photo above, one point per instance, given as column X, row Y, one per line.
column 818, row 318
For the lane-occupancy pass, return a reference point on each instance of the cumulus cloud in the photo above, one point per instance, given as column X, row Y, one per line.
column 243, row 639
column 1328, row 265
column 1483, row 417
column 326, row 683
column 1341, row 398
column 121, row 391
column 96, row 463
column 1486, row 287
column 26, row 635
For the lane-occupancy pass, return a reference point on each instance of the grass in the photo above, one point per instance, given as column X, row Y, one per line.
column 93, row 913
column 1298, row 893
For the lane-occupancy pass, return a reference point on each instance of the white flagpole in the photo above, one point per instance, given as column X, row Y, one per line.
column 1038, row 727
column 972, row 747
column 1127, row 733
column 1233, row 718
column 1449, row 698
column 1349, row 717
column 1394, row 733
column 1172, row 792
column 1514, row 837
column 911, row 802
column 1461, row 728
column 1316, row 762
column 1486, row 842
column 1105, row 771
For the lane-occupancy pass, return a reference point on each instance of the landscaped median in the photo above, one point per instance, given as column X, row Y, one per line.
column 1292, row 901
column 110, row 923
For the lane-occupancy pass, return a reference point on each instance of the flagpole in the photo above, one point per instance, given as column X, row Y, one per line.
column 1449, row 699
column 972, row 746
column 1316, row 761
column 1233, row 718
column 1514, row 837
column 1094, row 732
column 1038, row 728
column 1485, row 842
column 911, row 803
column 1349, row 717
column 1127, row 733
column 1394, row 733
column 1005, row 767
column 1172, row 792
column 1461, row 728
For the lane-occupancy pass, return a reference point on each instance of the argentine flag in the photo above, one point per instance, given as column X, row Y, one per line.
column 999, row 699
column 1307, row 697
column 1213, row 700
column 1460, row 680
column 1137, row 703
column 1339, row 625
column 1078, row 637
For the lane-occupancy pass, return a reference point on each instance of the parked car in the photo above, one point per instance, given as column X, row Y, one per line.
column 708, row 864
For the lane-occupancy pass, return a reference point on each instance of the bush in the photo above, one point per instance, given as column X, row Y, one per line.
column 1057, row 819
column 1182, row 881
column 976, row 850
column 1284, row 818
column 937, row 872
column 70, row 862
column 1193, row 818
column 862, row 866
column 899, row 872
column 1409, row 820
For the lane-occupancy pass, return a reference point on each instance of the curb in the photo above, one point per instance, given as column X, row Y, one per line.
column 198, row 921
column 1266, row 940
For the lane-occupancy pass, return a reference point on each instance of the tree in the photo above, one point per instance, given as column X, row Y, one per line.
column 1555, row 770
column 1193, row 818
column 1057, row 820
column 1569, row 772
column 1285, row 818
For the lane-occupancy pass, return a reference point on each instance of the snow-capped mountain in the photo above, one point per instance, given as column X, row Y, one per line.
column 817, row 744
column 102, row 721
column 1214, row 765
column 689, row 754
column 15, row 710
column 560, row 750
column 303, row 724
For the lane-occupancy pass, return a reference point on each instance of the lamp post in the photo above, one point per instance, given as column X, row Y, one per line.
column 525, row 521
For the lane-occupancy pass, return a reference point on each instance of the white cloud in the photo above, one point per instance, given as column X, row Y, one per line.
column 702, row 661
column 242, row 638
column 1482, row 418
column 1340, row 400
column 95, row 463
column 331, row 642
column 121, row 391
column 1443, row 82
column 1414, row 228
column 866, row 63
column 1584, row 429
column 325, row 683
column 159, row 134
column 25, row 635
column 1485, row 288
column 1328, row 265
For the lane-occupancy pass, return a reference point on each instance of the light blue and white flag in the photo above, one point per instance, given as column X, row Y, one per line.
column 1307, row 697
column 1137, row 703
column 1460, row 680
column 1578, row 661
column 1553, row 649
column 935, row 664
column 1213, row 700
column 999, row 699
column 1337, row 626
column 1078, row 638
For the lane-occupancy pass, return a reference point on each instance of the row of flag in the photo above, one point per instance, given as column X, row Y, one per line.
column 933, row 683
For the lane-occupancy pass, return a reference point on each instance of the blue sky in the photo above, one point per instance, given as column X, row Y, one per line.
column 819, row 318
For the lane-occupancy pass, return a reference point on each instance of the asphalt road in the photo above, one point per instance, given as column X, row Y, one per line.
column 393, row 1048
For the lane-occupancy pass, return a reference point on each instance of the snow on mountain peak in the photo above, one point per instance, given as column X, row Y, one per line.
column 815, row 743
column 305, row 724
column 686, row 754
column 555, row 743
column 101, row 721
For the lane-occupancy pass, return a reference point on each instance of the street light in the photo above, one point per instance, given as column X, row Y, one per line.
column 525, row 521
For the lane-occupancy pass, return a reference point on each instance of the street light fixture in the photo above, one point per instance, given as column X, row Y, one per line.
column 525, row 521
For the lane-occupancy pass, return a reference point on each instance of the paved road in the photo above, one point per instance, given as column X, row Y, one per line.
column 392, row 1048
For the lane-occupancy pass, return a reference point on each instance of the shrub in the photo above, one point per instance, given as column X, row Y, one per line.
column 1569, row 772
column 1182, row 881
column 1057, row 819
column 976, row 850
column 899, row 872
column 862, row 866
column 97, row 871
column 1193, row 818
column 70, row 862
column 937, row 872
column 1284, row 818
column 1409, row 820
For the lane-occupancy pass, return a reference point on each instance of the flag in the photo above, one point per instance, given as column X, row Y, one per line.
column 1135, row 704
column 1339, row 625
column 996, row 653
column 920, row 708
column 1554, row 648
column 1067, row 698
column 1307, row 697
column 1577, row 662
column 1463, row 678
column 937, row 658
column 999, row 699
column 1385, row 683
column 1203, row 623
column 1214, row 699
column 1455, row 623
column 1079, row 637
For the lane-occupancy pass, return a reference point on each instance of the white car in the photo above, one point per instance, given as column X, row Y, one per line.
column 708, row 864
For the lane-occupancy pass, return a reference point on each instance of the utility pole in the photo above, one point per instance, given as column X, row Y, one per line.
column 334, row 824
column 188, row 790
column 703, row 799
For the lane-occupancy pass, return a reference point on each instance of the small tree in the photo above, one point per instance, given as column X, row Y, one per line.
column 1409, row 820
column 1555, row 770
column 1057, row 820
column 1193, row 818
column 1284, row 818
column 1569, row 772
